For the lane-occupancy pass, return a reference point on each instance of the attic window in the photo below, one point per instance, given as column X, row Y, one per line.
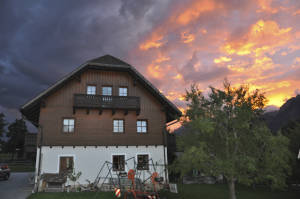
column 123, row 91
column 107, row 90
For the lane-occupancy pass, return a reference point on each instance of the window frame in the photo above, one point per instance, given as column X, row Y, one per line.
column 105, row 86
column 147, row 128
column 122, row 87
column 63, row 125
column 113, row 167
column 113, row 123
column 66, row 156
column 137, row 160
column 91, row 85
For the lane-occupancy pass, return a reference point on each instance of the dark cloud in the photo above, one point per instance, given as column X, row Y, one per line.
column 41, row 41
column 1, row 69
column 135, row 8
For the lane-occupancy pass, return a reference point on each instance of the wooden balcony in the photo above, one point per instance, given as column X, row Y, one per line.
column 101, row 102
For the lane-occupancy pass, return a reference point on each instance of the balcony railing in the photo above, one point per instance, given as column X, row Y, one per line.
column 106, row 102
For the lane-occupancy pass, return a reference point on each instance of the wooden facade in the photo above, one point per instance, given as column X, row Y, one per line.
column 94, row 114
column 92, row 128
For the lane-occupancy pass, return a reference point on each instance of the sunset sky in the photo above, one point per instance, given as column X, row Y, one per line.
column 172, row 43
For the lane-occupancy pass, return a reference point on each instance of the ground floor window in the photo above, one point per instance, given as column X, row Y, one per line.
column 118, row 162
column 66, row 164
column 143, row 162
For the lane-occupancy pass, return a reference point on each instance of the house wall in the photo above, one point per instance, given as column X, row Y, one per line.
column 95, row 129
column 89, row 159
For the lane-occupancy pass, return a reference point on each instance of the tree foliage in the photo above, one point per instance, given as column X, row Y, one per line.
column 292, row 131
column 2, row 124
column 225, row 135
column 16, row 134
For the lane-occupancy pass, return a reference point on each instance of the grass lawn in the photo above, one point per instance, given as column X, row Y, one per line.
column 81, row 195
column 185, row 192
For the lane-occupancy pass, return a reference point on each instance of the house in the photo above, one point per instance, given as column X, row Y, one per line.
column 105, row 110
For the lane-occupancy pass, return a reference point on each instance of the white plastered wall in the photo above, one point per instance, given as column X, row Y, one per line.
column 89, row 160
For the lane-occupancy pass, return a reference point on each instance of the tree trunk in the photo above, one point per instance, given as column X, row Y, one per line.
column 231, row 185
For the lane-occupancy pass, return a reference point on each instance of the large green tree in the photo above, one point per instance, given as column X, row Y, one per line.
column 225, row 135
column 16, row 134
column 292, row 131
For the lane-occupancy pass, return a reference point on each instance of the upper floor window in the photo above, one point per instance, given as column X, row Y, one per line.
column 106, row 90
column 143, row 162
column 91, row 90
column 118, row 162
column 118, row 126
column 68, row 125
column 141, row 126
column 123, row 91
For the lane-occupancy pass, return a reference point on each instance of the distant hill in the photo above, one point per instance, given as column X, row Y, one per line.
column 289, row 111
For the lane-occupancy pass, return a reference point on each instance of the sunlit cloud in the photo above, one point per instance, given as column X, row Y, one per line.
column 187, row 38
column 195, row 10
column 222, row 59
column 265, row 6
column 155, row 42
column 262, row 37
column 256, row 43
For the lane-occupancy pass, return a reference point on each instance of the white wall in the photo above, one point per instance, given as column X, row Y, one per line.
column 89, row 159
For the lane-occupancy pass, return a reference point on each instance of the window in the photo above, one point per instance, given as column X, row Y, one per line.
column 123, row 91
column 66, row 164
column 141, row 126
column 68, row 125
column 118, row 162
column 91, row 90
column 143, row 162
column 118, row 126
column 106, row 90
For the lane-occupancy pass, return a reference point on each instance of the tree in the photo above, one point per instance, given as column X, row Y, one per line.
column 2, row 124
column 16, row 134
column 226, row 136
column 292, row 131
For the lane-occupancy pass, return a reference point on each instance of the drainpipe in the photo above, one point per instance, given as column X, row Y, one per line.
column 40, row 158
column 165, row 161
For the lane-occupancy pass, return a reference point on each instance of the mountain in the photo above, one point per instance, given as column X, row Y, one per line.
column 289, row 111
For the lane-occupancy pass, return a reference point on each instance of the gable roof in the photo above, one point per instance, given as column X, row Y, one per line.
column 107, row 62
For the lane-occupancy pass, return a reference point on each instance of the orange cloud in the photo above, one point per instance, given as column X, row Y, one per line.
column 263, row 36
column 255, row 55
column 266, row 6
column 155, row 41
column 155, row 71
column 178, row 76
column 187, row 38
column 222, row 59
column 297, row 12
column 195, row 9
column 161, row 58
